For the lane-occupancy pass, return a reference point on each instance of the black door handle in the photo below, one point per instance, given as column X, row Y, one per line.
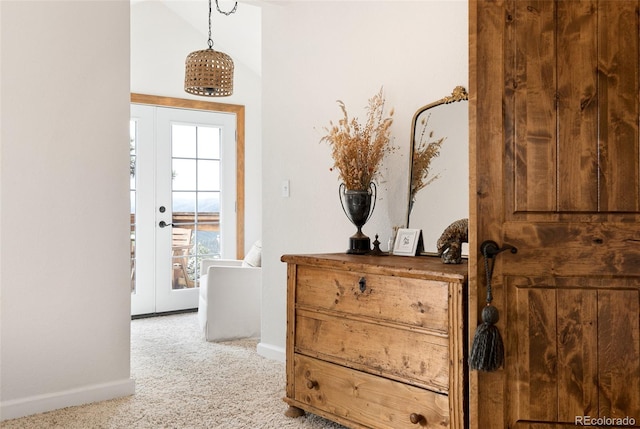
column 490, row 248
column 164, row 224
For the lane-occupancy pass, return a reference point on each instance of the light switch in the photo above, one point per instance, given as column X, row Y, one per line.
column 285, row 188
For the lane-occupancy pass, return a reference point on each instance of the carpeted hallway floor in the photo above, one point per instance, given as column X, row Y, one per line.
column 184, row 382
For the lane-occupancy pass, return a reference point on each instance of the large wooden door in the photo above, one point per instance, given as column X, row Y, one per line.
column 555, row 172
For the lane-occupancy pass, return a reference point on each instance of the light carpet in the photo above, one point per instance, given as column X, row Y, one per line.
column 184, row 382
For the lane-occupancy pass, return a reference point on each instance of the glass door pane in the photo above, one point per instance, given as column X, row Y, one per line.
column 195, row 180
column 191, row 186
column 142, row 214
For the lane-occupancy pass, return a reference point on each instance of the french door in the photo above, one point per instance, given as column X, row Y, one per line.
column 183, row 198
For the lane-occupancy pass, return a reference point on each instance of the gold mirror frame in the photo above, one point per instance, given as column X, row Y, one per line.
column 458, row 94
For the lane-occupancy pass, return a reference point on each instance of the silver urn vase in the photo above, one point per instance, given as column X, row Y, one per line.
column 358, row 205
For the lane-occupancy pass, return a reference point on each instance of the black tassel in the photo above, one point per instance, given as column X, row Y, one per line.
column 487, row 351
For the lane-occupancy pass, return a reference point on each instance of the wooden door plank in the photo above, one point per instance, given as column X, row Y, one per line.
column 532, row 370
column 573, row 248
column 577, row 106
column 577, row 353
column 619, row 353
column 534, row 102
column 618, row 62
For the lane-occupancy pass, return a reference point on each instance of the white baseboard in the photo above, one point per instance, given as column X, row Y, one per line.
column 68, row 398
column 271, row 352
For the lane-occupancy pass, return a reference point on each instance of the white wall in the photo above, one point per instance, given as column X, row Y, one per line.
column 64, row 224
column 163, row 34
column 315, row 53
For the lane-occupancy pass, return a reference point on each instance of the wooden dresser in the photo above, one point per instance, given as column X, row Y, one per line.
column 377, row 341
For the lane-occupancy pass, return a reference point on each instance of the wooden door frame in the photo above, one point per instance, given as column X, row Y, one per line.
column 472, row 280
column 239, row 111
column 486, row 130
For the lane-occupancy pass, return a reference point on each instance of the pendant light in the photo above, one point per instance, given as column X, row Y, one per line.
column 209, row 72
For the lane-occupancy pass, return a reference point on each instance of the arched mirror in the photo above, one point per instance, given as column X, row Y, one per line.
column 439, row 194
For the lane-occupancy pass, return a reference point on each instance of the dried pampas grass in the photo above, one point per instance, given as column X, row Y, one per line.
column 424, row 152
column 358, row 150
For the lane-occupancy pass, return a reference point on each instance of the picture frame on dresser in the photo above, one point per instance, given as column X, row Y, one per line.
column 408, row 242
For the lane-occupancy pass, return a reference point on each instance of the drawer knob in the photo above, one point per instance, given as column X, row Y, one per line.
column 417, row 419
column 312, row 384
column 363, row 284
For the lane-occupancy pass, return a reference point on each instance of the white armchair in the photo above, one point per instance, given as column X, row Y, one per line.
column 230, row 296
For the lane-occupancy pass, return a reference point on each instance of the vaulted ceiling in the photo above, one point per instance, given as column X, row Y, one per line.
column 234, row 34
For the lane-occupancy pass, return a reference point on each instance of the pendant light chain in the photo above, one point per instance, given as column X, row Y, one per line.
column 210, row 41
column 235, row 7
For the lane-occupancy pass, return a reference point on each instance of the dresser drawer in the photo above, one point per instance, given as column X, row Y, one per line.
column 384, row 349
column 403, row 300
column 366, row 399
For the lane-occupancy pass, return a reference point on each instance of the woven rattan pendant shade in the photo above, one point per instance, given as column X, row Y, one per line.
column 208, row 73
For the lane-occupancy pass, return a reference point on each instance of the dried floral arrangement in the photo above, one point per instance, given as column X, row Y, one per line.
column 424, row 152
column 357, row 149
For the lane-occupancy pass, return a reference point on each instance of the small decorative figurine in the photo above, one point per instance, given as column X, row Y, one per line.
column 450, row 242
column 376, row 248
